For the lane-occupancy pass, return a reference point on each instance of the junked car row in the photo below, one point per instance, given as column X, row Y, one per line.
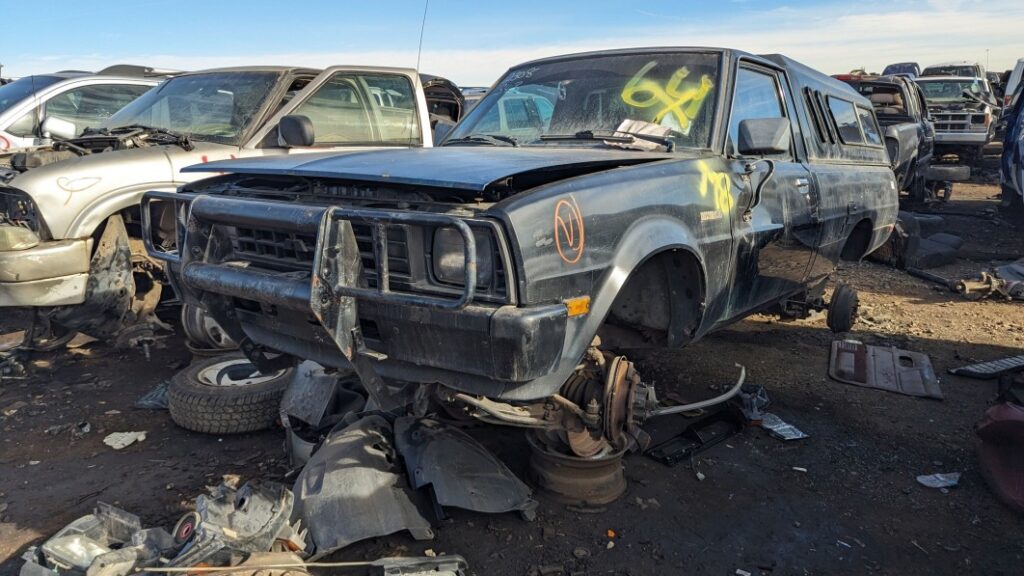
column 955, row 108
column 588, row 203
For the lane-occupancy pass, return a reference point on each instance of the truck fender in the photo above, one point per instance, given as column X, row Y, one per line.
column 86, row 222
column 645, row 239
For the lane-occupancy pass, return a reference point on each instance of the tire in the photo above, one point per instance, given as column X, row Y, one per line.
column 842, row 309
column 203, row 336
column 220, row 396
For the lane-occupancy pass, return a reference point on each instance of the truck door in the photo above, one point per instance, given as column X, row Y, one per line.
column 776, row 244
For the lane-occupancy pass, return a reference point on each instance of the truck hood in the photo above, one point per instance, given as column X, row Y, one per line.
column 474, row 169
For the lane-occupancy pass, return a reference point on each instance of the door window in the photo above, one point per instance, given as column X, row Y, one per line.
column 90, row 106
column 357, row 109
column 756, row 96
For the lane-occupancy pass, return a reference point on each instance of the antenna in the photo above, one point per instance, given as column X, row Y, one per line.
column 423, row 25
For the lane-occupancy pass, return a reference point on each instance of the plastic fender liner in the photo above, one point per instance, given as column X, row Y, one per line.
column 352, row 489
column 461, row 472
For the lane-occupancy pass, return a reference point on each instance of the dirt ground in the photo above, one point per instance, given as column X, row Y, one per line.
column 844, row 501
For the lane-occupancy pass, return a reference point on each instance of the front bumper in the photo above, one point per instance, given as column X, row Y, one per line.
column 337, row 308
column 50, row 274
column 975, row 138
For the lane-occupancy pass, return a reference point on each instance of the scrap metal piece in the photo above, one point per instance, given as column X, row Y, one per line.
column 707, row 431
column 780, row 429
column 314, row 402
column 447, row 565
column 251, row 518
column 991, row 369
column 940, row 480
column 885, row 368
column 351, row 489
column 460, row 471
column 309, row 394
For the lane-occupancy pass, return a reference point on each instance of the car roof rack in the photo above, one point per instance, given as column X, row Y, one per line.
column 136, row 70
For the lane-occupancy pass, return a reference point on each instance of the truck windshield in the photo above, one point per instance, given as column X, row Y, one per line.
column 950, row 90
column 670, row 96
column 952, row 70
column 11, row 94
column 214, row 107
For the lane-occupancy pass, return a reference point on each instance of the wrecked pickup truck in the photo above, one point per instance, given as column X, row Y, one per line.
column 965, row 114
column 70, row 242
column 628, row 199
column 902, row 111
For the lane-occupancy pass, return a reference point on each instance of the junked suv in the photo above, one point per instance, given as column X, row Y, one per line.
column 69, row 213
column 75, row 100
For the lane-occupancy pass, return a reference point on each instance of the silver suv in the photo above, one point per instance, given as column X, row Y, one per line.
column 70, row 219
column 75, row 100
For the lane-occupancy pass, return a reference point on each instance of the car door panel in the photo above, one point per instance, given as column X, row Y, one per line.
column 774, row 247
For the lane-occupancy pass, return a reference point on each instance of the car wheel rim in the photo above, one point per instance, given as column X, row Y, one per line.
column 234, row 373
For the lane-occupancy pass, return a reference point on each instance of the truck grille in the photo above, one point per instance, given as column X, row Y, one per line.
column 952, row 121
column 291, row 252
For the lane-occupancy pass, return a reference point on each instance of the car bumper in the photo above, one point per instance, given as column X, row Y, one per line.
column 51, row 274
column 978, row 138
column 504, row 343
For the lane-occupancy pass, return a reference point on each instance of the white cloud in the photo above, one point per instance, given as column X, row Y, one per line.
column 831, row 39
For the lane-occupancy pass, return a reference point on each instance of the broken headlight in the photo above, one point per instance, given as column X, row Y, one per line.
column 450, row 261
column 16, row 238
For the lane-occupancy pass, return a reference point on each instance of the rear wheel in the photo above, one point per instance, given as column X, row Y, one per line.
column 842, row 309
column 226, row 395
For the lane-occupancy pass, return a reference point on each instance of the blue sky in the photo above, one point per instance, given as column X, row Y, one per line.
column 473, row 42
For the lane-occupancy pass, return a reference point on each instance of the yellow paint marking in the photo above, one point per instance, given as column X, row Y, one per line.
column 683, row 102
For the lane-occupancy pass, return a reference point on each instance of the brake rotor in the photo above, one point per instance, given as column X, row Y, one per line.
column 616, row 400
column 583, row 444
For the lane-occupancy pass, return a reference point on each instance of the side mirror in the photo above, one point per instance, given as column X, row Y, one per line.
column 764, row 137
column 295, row 131
column 58, row 128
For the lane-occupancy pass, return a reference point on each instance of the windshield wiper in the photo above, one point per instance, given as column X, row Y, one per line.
column 178, row 138
column 492, row 139
column 617, row 136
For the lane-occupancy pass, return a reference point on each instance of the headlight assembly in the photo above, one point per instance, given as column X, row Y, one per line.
column 17, row 238
column 449, row 259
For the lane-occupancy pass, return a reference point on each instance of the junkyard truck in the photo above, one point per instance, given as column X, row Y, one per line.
column 646, row 197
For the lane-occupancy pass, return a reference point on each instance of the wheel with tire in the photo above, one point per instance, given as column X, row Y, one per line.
column 203, row 336
column 842, row 309
column 226, row 395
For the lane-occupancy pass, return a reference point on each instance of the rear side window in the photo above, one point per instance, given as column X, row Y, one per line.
column 846, row 120
column 816, row 119
column 867, row 122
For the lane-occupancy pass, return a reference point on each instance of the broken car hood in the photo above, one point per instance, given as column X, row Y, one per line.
column 469, row 168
